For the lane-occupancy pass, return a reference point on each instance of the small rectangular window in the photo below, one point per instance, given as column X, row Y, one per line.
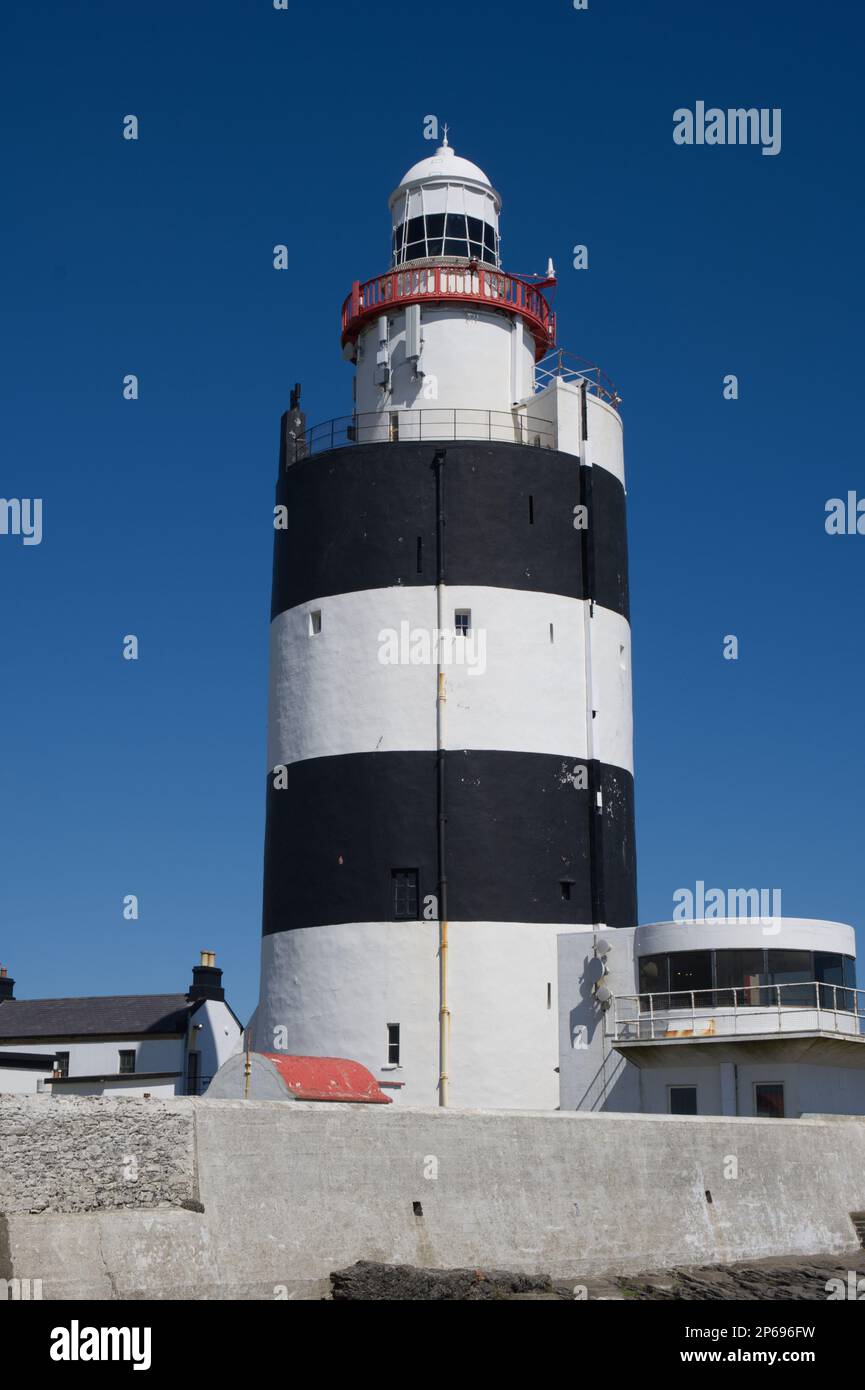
column 315, row 622
column 61, row 1063
column 565, row 886
column 462, row 622
column 405, row 894
column 393, row 1044
column 682, row 1100
column 769, row 1100
column 127, row 1062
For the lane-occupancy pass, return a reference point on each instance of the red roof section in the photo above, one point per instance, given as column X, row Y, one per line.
column 328, row 1078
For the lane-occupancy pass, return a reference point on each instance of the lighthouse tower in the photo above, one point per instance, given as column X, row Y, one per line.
column 450, row 780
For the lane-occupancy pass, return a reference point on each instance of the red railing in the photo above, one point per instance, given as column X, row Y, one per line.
column 469, row 284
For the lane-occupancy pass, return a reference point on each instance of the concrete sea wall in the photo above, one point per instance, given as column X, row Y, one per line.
column 289, row 1192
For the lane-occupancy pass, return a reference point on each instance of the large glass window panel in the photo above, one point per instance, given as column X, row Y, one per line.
column 690, row 972
column 654, row 977
column 453, row 247
column 489, row 236
column 414, row 229
column 435, row 224
column 476, row 229
column 791, row 970
column 854, row 1001
column 738, row 977
column 476, row 250
column 829, row 970
column 434, row 246
column 456, row 226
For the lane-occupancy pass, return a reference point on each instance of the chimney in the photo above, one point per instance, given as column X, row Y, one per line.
column 206, row 979
column 6, row 985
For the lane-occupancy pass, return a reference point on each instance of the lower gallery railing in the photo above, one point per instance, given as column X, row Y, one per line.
column 796, row 1007
column 418, row 426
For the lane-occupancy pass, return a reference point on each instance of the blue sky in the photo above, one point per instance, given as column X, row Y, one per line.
column 155, row 257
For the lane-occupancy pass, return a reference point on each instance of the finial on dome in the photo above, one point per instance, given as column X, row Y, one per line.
column 445, row 145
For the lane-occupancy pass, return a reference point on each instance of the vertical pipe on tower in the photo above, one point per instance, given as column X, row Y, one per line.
column 441, row 843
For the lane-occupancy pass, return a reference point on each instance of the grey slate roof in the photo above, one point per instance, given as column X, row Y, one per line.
column 127, row 1014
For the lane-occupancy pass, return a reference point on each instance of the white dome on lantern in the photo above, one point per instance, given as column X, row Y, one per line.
column 444, row 164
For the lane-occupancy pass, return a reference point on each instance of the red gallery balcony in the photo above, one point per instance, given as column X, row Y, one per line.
column 441, row 284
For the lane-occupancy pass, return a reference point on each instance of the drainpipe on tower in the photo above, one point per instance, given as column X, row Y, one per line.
column 441, row 699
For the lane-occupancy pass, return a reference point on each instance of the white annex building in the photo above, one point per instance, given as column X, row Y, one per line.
column 129, row 1044
column 729, row 1017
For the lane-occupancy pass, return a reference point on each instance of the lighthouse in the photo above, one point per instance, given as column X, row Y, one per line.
column 450, row 775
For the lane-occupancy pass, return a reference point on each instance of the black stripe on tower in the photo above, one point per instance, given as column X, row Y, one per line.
column 518, row 838
column 364, row 518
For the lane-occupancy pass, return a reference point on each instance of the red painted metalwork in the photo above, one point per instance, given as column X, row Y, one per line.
column 328, row 1078
column 465, row 284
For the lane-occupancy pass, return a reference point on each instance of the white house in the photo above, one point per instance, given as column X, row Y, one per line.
column 127, row 1044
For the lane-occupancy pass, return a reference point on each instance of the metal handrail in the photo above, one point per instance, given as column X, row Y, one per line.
column 568, row 367
column 472, row 282
column 667, row 1014
column 418, row 426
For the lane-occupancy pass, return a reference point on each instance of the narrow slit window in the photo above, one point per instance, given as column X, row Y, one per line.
column 462, row 622
column 531, row 510
column 552, row 634
column 393, row 1044
column 315, row 622
column 420, row 554
column 549, row 995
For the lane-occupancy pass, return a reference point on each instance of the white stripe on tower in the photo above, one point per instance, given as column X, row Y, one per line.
column 524, row 691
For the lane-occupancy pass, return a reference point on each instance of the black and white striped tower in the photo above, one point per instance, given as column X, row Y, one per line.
column 439, row 811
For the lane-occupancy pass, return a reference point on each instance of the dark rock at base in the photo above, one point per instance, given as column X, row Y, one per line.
column 404, row 1283
column 763, row 1281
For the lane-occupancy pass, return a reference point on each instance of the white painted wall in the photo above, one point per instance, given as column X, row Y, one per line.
column 559, row 403
column 330, row 694
column 466, row 362
column 218, row 1039
column 780, row 934
column 335, row 989
column 21, row 1082
column 808, row 1089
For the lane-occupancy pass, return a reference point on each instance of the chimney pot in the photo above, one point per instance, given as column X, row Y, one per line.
column 206, row 979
